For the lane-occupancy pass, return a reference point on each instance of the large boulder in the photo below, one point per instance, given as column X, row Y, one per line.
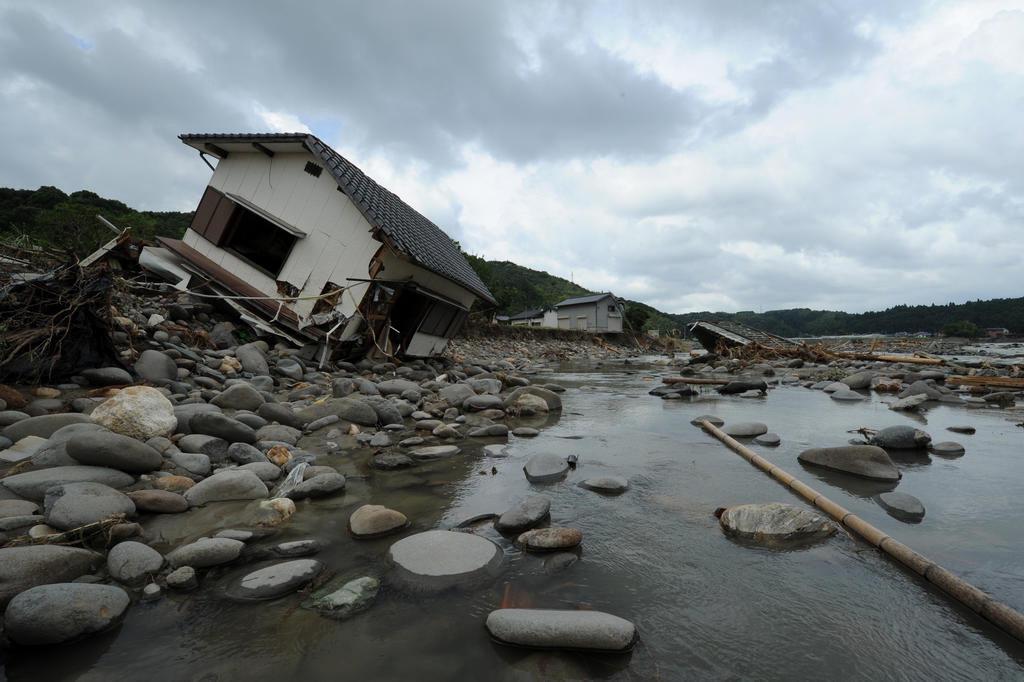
column 74, row 505
column 550, row 397
column 232, row 484
column 555, row 629
column 34, row 484
column 867, row 461
column 775, row 524
column 107, row 449
column 53, row 614
column 44, row 425
column 138, row 412
column 240, row 396
column 25, row 567
column 439, row 559
column 901, row 437
column 154, row 366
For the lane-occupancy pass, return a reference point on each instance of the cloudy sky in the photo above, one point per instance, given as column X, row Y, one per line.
column 694, row 155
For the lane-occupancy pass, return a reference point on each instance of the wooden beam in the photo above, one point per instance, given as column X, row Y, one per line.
column 1015, row 383
column 216, row 150
column 697, row 381
column 263, row 148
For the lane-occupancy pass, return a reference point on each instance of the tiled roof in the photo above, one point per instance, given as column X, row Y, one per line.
column 410, row 232
column 580, row 300
column 528, row 314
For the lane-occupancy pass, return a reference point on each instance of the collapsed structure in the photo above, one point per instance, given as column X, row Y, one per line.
column 306, row 246
column 723, row 334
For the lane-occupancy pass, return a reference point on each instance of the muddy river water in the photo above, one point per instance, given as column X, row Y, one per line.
column 706, row 606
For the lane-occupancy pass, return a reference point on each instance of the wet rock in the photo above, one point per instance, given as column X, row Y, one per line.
column 387, row 461
column 734, row 387
column 252, row 359
column 158, row 501
column 154, row 366
column 244, row 453
column 901, row 437
column 456, row 394
column 107, row 376
column 132, row 562
column 240, row 396
column 775, row 524
column 901, row 506
column 138, row 412
column 947, row 449
column 525, row 432
column 373, row 520
column 556, row 629
column 183, row 579
column 847, row 395
column 278, row 432
column 435, row 452
column 559, row 561
column 550, row 539
column 607, row 485
column 745, row 429
column 34, row 484
column 715, row 421
column 43, row 426
column 962, row 429
column 524, row 514
column 439, row 559
column 282, row 414
column 1003, row 398
column 351, row 598
column 552, row 399
column 232, row 484
column 867, row 461
column 318, row 486
column 112, row 450
column 73, row 505
column 350, row 409
column 769, row 439
column 478, row 403
column 545, row 468
column 489, row 431
column 527, row 405
column 206, row 552
column 296, row 548
column 909, row 404
column 25, row 567
column 222, row 426
column 53, row 614
column 859, row 380
column 276, row 580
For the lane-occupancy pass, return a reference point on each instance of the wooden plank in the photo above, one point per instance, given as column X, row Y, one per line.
column 1015, row 383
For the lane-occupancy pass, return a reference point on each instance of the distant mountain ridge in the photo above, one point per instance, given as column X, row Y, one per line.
column 68, row 221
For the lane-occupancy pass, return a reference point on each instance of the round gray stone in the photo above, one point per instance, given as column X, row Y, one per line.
column 775, row 523
column 232, row 484
column 557, row 629
column 901, row 437
column 545, row 468
column 206, row 552
column 439, row 559
column 53, row 614
column 712, row 419
column 318, row 486
column 73, row 505
column 108, row 449
column 867, row 461
column 524, row 514
column 608, row 485
column 131, row 562
column 770, row 439
column 435, row 452
column 947, row 449
column 25, row 567
column 745, row 429
column 222, row 426
column 902, row 506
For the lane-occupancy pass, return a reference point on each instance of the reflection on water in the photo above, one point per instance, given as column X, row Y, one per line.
column 707, row 607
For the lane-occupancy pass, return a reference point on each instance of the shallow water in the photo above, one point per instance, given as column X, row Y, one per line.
column 706, row 606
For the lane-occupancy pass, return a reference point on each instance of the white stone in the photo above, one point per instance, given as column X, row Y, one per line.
column 140, row 412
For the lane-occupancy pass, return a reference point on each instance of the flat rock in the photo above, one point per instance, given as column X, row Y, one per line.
column 138, row 412
column 710, row 418
column 132, row 562
column 435, row 452
column 901, row 506
column 867, row 461
column 525, row 432
column 847, row 395
column 222, row 426
column 318, row 486
column 108, row 449
column 557, row 629
column 524, row 514
column 276, row 580
column 770, row 439
column 107, row 376
column 387, row 461
column 545, row 468
column 439, row 559
column 25, row 567
column 947, row 448
column 374, row 520
column 550, row 539
column 158, row 501
column 232, row 484
column 24, row 449
column 608, row 485
column 775, row 524
column 43, row 426
column 34, row 484
column 909, row 404
column 53, row 614
column 352, row 597
column 745, row 429
column 969, row 430
column 901, row 437
column 73, row 505
column 206, row 552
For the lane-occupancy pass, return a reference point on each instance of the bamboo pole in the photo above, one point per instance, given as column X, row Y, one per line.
column 995, row 382
column 909, row 359
column 995, row 612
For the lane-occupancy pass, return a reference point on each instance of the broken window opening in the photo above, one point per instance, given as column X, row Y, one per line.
column 258, row 241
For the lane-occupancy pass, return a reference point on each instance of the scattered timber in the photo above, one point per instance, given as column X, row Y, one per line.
column 1013, row 383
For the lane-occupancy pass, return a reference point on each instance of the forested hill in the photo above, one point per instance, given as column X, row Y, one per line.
column 68, row 221
column 52, row 218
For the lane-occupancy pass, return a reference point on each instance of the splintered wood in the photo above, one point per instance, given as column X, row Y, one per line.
column 819, row 353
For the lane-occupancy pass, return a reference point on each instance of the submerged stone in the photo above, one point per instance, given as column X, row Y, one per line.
column 947, row 449
column 608, row 485
column 745, row 429
column 545, row 468
column 351, row 598
column 775, row 524
column 902, row 506
column 550, row 539
column 276, row 580
column 901, row 437
column 557, row 629
column 524, row 514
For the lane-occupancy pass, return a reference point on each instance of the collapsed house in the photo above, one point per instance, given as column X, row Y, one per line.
column 306, row 246
column 723, row 334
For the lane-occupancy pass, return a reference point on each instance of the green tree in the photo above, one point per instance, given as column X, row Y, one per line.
column 961, row 328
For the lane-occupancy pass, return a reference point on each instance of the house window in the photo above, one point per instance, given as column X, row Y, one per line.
column 259, row 242
column 611, row 308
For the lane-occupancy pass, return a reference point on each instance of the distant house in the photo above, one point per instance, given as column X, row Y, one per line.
column 592, row 313
column 535, row 317
column 314, row 250
column 996, row 332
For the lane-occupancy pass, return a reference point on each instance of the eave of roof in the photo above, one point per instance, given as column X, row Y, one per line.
column 397, row 223
column 580, row 300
